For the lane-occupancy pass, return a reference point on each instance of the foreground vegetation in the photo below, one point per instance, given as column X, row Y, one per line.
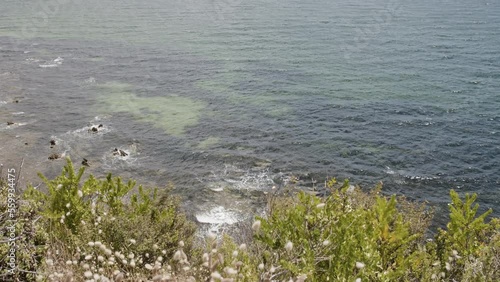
column 108, row 230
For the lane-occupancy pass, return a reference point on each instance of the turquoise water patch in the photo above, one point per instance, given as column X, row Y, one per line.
column 170, row 113
column 208, row 142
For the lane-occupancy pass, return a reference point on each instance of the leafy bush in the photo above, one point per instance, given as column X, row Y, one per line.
column 337, row 238
column 345, row 237
column 76, row 216
column 30, row 240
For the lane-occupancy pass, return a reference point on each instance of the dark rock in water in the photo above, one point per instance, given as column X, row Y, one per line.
column 26, row 143
column 54, row 156
column 10, row 123
column 85, row 162
column 16, row 101
column 94, row 129
column 100, row 125
column 119, row 152
column 53, row 142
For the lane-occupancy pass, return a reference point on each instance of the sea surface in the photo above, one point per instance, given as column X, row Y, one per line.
column 228, row 98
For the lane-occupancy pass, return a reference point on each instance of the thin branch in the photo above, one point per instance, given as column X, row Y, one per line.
column 19, row 174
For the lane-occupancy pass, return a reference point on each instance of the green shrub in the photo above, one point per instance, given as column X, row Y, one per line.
column 30, row 241
column 76, row 215
column 469, row 247
column 337, row 238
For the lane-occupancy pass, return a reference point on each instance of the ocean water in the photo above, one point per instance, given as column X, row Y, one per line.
column 227, row 98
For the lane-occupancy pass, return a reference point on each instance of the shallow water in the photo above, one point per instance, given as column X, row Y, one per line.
column 240, row 95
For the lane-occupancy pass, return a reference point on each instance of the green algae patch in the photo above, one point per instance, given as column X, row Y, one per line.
column 170, row 113
column 207, row 143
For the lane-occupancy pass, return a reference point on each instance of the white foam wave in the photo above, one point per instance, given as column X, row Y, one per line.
column 49, row 66
column 55, row 63
column 219, row 215
column 32, row 60
column 389, row 170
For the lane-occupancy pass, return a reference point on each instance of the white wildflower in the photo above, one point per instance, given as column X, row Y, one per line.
column 256, row 226
column 211, row 236
column 230, row 271
column 177, row 255
column 360, row 265
column 288, row 246
column 216, row 275
column 205, row 257
column 301, row 278
column 87, row 274
column 320, row 206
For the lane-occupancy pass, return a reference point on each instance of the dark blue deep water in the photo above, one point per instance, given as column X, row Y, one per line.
column 240, row 95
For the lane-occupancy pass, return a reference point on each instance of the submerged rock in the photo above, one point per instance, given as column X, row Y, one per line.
column 54, row 156
column 10, row 123
column 85, row 162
